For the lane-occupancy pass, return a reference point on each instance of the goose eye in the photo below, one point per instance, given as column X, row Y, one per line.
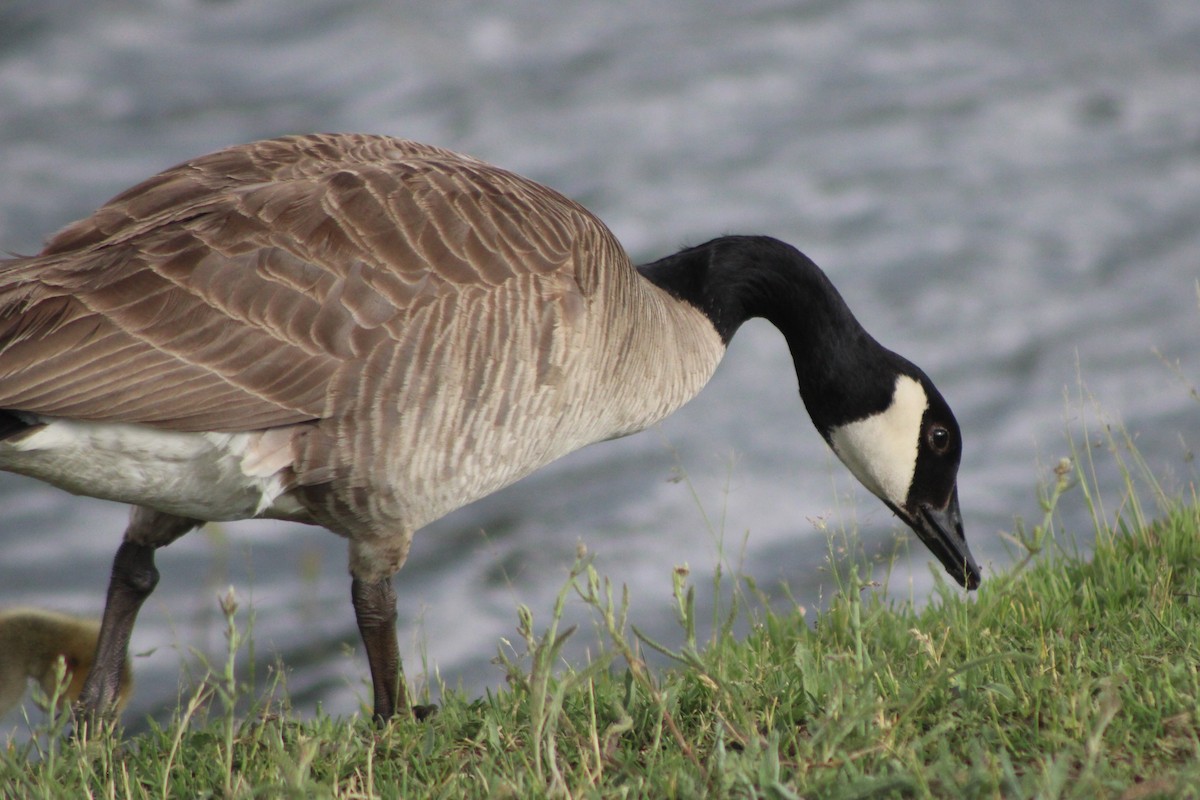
column 939, row 439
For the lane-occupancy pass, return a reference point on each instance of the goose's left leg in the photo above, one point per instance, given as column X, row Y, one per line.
column 375, row 612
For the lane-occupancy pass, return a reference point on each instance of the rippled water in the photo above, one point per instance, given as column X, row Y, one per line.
column 1007, row 193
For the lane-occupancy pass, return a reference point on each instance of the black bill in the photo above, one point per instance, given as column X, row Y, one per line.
column 942, row 532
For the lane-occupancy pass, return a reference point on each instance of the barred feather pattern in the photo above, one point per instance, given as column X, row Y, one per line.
column 419, row 327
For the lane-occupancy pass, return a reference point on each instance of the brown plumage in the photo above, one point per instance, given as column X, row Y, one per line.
column 326, row 292
column 290, row 284
column 366, row 333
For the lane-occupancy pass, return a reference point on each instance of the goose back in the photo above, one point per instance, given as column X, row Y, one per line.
column 423, row 327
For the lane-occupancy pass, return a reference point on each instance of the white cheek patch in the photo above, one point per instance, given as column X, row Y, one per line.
column 881, row 450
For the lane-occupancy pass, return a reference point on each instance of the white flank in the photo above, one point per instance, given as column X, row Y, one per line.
column 881, row 450
column 206, row 476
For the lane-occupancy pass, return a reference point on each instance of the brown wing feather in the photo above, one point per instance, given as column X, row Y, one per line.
column 233, row 292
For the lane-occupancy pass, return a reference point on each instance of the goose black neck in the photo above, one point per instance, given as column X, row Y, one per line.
column 736, row 278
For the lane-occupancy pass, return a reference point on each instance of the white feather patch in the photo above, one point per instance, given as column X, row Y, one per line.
column 881, row 450
column 207, row 476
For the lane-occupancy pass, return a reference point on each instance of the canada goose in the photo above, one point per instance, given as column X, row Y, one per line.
column 366, row 333
column 32, row 640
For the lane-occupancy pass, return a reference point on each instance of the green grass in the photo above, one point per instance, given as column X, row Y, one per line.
column 1063, row 677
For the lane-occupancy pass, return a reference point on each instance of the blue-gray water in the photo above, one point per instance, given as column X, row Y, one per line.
column 1007, row 193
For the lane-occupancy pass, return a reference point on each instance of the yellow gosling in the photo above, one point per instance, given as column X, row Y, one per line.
column 31, row 641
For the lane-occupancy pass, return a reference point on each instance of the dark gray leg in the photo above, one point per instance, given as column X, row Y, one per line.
column 134, row 577
column 375, row 611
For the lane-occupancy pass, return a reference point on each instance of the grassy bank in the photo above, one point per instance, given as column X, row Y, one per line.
column 1061, row 678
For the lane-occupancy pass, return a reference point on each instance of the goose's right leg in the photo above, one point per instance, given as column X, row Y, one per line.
column 133, row 578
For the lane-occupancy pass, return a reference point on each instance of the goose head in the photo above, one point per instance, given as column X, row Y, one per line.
column 879, row 412
column 907, row 453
